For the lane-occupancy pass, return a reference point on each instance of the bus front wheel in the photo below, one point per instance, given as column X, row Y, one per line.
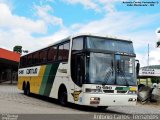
column 62, row 97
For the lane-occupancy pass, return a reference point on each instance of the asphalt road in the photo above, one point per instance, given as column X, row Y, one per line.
column 13, row 102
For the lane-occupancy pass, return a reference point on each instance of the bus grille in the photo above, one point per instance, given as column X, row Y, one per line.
column 121, row 91
column 108, row 91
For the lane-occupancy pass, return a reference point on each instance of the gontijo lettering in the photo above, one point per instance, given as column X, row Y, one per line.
column 31, row 71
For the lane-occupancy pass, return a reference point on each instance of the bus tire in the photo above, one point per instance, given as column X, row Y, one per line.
column 28, row 89
column 24, row 87
column 62, row 96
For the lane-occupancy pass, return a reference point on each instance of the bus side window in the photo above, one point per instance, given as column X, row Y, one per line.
column 29, row 60
column 60, row 52
column 21, row 62
column 52, row 53
column 35, row 58
column 24, row 59
column 66, row 51
column 43, row 56
column 77, row 44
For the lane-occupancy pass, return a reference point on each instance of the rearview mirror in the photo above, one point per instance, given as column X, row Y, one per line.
column 137, row 68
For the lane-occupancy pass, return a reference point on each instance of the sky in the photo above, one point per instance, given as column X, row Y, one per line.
column 34, row 24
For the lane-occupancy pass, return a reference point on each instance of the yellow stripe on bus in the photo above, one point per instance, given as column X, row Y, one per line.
column 36, row 81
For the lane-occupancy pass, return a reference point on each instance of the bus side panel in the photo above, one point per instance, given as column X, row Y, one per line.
column 57, row 82
column 33, row 84
column 62, row 77
column 20, row 83
column 36, row 81
column 51, row 79
column 48, row 79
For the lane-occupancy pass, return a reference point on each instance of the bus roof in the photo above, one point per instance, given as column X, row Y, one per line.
column 101, row 36
column 79, row 35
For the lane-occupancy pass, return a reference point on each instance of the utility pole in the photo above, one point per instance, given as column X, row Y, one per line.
column 148, row 54
column 148, row 65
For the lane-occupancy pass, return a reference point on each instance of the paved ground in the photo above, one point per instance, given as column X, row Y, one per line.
column 13, row 101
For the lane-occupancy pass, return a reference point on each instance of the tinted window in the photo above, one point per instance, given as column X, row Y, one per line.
column 23, row 61
column 36, row 58
column 63, row 51
column 52, row 53
column 110, row 44
column 66, row 51
column 78, row 69
column 43, row 56
column 77, row 44
column 77, row 62
column 60, row 52
column 29, row 60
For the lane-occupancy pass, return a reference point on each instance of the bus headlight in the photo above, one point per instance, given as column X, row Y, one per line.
column 132, row 100
column 94, row 100
column 132, row 92
column 89, row 90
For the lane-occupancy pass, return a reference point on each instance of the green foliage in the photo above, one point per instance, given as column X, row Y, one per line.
column 155, row 80
column 25, row 51
column 17, row 49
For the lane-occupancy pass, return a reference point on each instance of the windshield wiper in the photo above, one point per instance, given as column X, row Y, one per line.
column 107, row 75
column 123, row 76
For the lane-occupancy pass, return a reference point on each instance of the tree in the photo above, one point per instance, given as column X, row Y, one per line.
column 155, row 80
column 25, row 51
column 17, row 49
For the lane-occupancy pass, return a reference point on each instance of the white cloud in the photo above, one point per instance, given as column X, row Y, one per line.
column 11, row 21
column 18, row 30
column 89, row 4
column 43, row 13
column 118, row 23
column 96, row 5
column 154, row 58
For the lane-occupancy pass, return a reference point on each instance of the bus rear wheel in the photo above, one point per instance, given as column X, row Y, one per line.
column 62, row 97
column 28, row 89
column 24, row 87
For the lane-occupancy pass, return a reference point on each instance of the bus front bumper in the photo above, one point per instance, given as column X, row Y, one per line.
column 109, row 100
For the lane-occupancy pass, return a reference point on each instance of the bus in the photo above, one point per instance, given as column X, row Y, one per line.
column 84, row 69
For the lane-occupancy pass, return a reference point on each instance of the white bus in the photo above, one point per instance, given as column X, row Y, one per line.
column 84, row 69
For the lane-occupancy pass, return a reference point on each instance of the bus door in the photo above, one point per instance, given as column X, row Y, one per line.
column 122, row 65
column 79, row 75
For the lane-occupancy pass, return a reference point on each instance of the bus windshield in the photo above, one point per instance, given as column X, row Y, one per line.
column 110, row 45
column 110, row 69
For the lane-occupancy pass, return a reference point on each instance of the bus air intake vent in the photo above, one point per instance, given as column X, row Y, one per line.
column 108, row 91
column 121, row 91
